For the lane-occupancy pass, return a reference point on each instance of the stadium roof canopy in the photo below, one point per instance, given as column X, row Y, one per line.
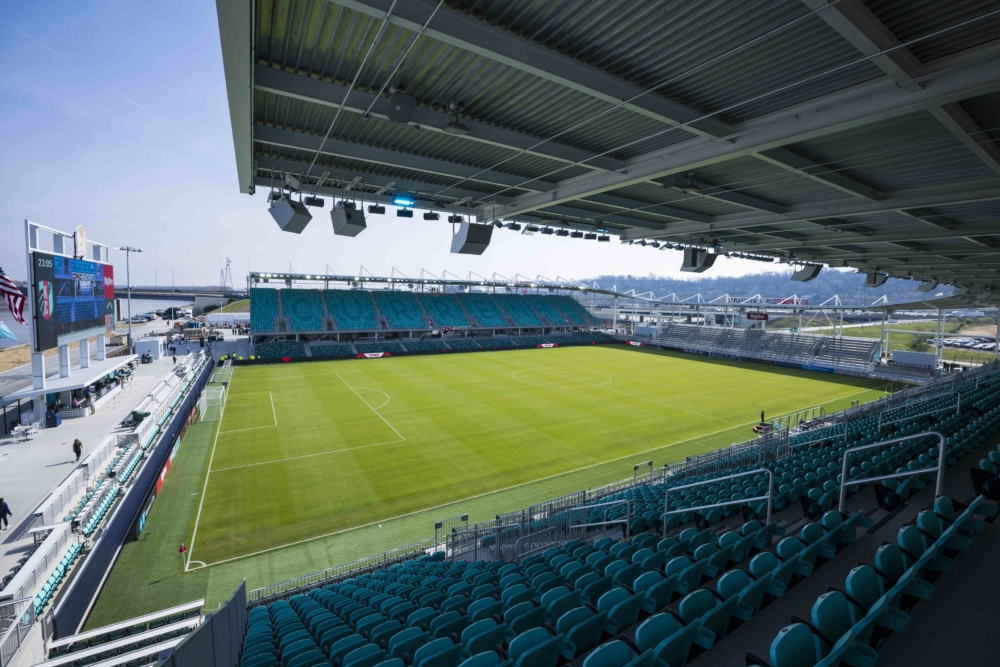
column 855, row 133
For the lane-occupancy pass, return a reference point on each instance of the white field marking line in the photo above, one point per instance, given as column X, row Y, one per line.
column 256, row 428
column 641, row 398
column 201, row 503
column 307, row 456
column 475, row 497
column 373, row 409
column 378, row 391
column 562, row 386
column 252, row 428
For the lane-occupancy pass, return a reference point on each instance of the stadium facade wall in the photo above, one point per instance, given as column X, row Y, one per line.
column 72, row 609
column 216, row 642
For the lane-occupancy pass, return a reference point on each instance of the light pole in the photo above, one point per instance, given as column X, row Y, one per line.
column 128, row 280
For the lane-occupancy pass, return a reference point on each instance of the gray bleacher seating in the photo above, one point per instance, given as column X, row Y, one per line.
column 808, row 350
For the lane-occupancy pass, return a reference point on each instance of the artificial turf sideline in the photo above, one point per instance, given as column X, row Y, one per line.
column 494, row 431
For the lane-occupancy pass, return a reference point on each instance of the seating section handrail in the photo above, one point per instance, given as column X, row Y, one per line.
column 769, row 497
column 939, row 468
column 123, row 625
column 70, row 658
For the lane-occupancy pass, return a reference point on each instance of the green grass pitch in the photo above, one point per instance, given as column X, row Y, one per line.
column 310, row 450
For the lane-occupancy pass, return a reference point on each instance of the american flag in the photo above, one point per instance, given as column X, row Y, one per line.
column 15, row 300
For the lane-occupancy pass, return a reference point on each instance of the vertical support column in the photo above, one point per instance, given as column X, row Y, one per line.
column 64, row 371
column 101, row 343
column 85, row 353
column 939, row 348
column 996, row 341
column 37, row 370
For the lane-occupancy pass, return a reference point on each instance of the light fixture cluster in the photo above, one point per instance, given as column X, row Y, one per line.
column 749, row 255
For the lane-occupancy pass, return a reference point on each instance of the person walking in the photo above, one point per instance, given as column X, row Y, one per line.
column 77, row 449
column 4, row 513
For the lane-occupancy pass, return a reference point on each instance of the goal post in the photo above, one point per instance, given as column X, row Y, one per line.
column 212, row 400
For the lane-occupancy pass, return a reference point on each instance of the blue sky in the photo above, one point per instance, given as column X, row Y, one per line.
column 116, row 118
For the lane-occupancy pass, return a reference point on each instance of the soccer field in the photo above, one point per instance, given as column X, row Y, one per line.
column 311, row 449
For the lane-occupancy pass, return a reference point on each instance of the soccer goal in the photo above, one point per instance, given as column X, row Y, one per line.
column 211, row 403
column 223, row 373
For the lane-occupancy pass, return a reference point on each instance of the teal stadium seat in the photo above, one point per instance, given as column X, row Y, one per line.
column 400, row 309
column 547, row 309
column 372, row 348
column 518, row 309
column 303, row 309
column 279, row 349
column 463, row 344
column 330, row 349
column 352, row 310
column 445, row 309
column 482, row 307
column 431, row 345
column 263, row 309
column 573, row 310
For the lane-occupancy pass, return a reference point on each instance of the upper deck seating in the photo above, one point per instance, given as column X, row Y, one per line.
column 263, row 308
column 400, row 309
column 303, row 309
column 482, row 307
column 547, row 309
column 573, row 310
column 352, row 310
column 517, row 309
column 444, row 308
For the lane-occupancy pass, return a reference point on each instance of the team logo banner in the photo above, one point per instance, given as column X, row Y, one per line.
column 636, row 343
column 548, row 345
column 373, row 355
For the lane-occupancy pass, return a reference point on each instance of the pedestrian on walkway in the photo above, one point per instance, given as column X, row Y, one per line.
column 77, row 448
column 4, row 513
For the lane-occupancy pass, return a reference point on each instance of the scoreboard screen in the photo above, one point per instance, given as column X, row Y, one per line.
column 73, row 299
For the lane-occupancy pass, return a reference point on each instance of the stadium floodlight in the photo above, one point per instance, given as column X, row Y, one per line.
column 603, row 238
column 498, row 224
column 590, row 237
column 455, row 218
column 655, row 244
column 547, row 231
column 576, row 235
column 315, row 201
column 375, row 208
column 404, row 213
column 529, row 230
column 431, row 216
column 402, row 201
column 562, row 232
column 642, row 242
column 514, row 226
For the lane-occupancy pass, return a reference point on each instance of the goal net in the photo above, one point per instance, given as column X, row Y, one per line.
column 223, row 373
column 211, row 403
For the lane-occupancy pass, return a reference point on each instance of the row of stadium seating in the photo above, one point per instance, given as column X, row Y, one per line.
column 649, row 601
column 363, row 310
column 805, row 349
column 281, row 349
column 167, row 625
column 52, row 584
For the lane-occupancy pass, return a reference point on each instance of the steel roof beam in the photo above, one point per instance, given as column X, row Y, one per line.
column 786, row 159
column 469, row 34
column 764, row 134
column 326, row 93
column 987, row 190
column 907, row 234
column 296, row 168
column 966, row 130
column 617, row 201
column 345, row 149
column 859, row 26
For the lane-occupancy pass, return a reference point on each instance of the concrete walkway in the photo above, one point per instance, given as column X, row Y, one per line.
column 29, row 471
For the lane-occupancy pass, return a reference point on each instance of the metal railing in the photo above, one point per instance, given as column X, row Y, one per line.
column 769, row 497
column 957, row 408
column 284, row 589
column 16, row 619
column 939, row 468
